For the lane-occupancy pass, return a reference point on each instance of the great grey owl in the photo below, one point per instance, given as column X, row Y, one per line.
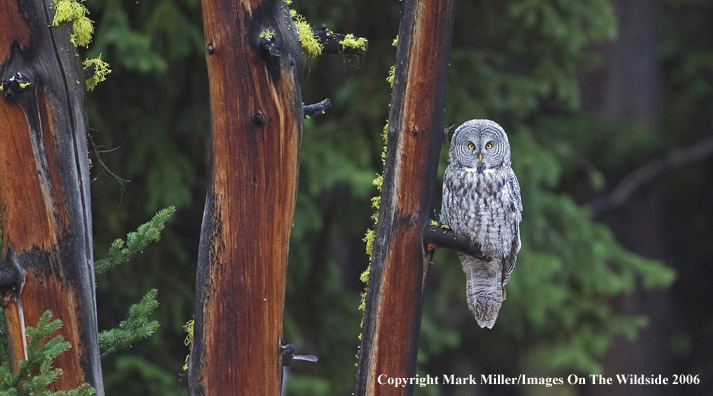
column 481, row 199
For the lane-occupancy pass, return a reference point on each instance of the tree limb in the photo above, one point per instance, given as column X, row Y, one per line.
column 649, row 172
column 436, row 236
column 317, row 108
column 331, row 42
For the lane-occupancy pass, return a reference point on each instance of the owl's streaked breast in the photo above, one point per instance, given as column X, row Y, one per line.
column 474, row 205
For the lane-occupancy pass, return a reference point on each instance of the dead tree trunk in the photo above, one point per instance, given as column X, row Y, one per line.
column 254, row 67
column 400, row 259
column 44, row 189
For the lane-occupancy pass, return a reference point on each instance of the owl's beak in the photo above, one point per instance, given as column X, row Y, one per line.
column 480, row 157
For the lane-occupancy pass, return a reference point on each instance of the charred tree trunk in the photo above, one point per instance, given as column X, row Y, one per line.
column 44, row 188
column 256, row 114
column 400, row 258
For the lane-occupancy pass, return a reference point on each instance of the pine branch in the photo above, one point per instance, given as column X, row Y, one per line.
column 134, row 328
column 36, row 373
column 120, row 251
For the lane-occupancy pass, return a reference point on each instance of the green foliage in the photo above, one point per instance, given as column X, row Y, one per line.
column 146, row 377
column 152, row 127
column 134, row 48
column 36, row 373
column 136, row 327
column 122, row 251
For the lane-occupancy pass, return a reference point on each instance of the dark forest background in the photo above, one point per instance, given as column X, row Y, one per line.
column 597, row 97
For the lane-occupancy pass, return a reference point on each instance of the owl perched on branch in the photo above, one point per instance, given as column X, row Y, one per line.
column 481, row 199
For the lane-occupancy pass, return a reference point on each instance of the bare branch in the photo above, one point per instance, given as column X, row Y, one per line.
column 103, row 165
column 317, row 108
column 437, row 236
column 649, row 172
column 331, row 42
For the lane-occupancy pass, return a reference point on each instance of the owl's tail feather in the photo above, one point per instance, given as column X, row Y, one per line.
column 484, row 291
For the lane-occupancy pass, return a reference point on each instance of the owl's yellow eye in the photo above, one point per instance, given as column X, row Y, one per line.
column 489, row 145
column 471, row 146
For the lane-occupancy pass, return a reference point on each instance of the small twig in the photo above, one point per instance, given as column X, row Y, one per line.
column 317, row 108
column 103, row 165
column 111, row 150
column 288, row 355
column 649, row 172
column 330, row 42
column 436, row 236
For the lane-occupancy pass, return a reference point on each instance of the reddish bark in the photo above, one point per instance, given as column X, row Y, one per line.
column 400, row 260
column 256, row 114
column 44, row 188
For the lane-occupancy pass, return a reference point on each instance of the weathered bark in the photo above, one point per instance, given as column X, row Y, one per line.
column 400, row 260
column 256, row 114
column 44, row 186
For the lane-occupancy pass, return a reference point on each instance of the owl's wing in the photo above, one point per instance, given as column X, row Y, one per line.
column 516, row 212
column 515, row 196
column 447, row 196
column 509, row 260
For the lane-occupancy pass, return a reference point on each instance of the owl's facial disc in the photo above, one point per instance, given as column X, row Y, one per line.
column 481, row 145
column 479, row 153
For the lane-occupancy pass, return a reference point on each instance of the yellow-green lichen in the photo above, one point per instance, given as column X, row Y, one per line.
column 101, row 70
column 390, row 77
column 362, row 302
column 188, row 327
column 20, row 84
column 310, row 44
column 352, row 42
column 267, row 33
column 67, row 11
column 371, row 233
column 396, row 41
column 74, row 12
column 378, row 182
